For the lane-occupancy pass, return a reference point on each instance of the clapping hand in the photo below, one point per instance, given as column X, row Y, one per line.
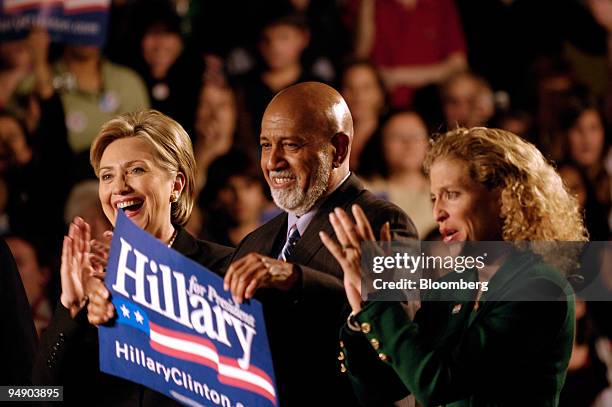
column 75, row 270
column 100, row 309
column 347, row 251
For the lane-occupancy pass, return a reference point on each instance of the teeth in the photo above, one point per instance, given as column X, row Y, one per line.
column 282, row 180
column 125, row 204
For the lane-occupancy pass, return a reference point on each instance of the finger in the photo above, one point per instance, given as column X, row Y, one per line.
column 255, row 283
column 98, row 315
column 86, row 237
column 66, row 259
column 108, row 236
column 385, row 232
column 351, row 271
column 102, row 245
column 245, row 277
column 96, row 287
column 97, row 260
column 385, row 238
column 363, row 224
column 332, row 246
column 76, row 238
column 100, row 275
column 349, row 227
column 231, row 271
column 338, row 229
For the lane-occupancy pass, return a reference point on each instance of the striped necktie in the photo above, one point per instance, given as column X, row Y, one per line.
column 294, row 237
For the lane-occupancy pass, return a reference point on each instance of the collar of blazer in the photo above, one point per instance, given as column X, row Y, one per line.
column 510, row 272
column 184, row 243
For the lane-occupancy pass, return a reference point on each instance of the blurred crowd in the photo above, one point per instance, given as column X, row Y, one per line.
column 407, row 69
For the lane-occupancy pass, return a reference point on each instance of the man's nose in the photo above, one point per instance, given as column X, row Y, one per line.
column 275, row 158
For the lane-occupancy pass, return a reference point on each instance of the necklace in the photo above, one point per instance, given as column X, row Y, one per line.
column 173, row 238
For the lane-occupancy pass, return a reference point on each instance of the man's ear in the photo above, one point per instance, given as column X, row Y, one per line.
column 341, row 143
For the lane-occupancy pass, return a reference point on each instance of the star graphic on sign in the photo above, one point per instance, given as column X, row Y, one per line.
column 139, row 317
column 125, row 311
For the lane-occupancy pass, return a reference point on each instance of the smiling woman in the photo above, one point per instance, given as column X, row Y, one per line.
column 146, row 170
column 145, row 165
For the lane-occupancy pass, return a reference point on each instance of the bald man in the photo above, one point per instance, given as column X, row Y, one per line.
column 306, row 135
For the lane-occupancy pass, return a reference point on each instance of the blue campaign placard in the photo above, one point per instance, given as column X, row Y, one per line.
column 177, row 331
column 81, row 22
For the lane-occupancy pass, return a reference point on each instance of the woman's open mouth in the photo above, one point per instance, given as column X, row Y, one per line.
column 131, row 207
column 450, row 235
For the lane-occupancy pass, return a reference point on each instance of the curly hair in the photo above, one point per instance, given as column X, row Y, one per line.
column 535, row 205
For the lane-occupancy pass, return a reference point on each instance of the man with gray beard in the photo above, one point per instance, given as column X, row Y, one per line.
column 306, row 136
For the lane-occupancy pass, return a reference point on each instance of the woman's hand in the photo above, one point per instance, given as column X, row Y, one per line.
column 75, row 269
column 348, row 253
column 99, row 254
column 100, row 309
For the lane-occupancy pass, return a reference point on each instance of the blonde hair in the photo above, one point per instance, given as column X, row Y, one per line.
column 535, row 205
column 170, row 142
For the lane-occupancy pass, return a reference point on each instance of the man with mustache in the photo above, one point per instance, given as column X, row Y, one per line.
column 306, row 136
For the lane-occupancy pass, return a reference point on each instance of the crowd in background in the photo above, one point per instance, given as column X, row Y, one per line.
column 407, row 69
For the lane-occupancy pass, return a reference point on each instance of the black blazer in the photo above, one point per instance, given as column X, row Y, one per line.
column 17, row 333
column 68, row 353
column 303, row 325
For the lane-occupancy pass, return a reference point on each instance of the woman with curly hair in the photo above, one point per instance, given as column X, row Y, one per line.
column 507, row 345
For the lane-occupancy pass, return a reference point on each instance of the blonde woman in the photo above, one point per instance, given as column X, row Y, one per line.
column 145, row 165
column 486, row 185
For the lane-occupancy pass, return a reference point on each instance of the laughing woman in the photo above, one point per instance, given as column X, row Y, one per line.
column 145, row 165
column 488, row 349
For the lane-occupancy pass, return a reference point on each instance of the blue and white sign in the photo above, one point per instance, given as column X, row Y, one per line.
column 177, row 331
column 68, row 21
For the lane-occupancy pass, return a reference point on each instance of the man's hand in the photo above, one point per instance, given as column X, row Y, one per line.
column 255, row 271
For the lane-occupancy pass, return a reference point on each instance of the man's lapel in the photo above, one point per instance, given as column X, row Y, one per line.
column 276, row 231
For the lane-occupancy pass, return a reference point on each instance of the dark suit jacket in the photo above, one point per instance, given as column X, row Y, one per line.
column 68, row 352
column 303, row 325
column 17, row 333
column 513, row 351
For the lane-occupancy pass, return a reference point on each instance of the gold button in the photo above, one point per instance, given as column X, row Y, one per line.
column 341, row 344
column 383, row 357
column 375, row 343
column 365, row 328
column 341, row 356
column 342, row 368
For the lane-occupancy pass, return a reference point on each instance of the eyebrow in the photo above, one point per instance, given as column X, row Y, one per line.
column 280, row 139
column 127, row 164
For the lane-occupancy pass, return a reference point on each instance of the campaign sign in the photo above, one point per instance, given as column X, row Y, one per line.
column 68, row 21
column 177, row 331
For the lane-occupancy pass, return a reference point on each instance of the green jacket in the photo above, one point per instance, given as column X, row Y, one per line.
column 504, row 353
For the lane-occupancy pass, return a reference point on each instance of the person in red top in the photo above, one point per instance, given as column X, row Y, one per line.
column 414, row 43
